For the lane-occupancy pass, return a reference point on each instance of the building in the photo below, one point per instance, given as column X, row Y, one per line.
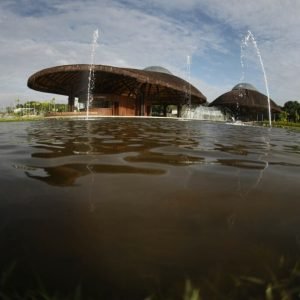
column 117, row 91
column 246, row 103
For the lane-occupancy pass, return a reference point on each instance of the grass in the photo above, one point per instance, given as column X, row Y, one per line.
column 282, row 285
column 20, row 118
column 280, row 124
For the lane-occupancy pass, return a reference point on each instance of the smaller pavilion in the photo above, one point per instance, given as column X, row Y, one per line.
column 246, row 103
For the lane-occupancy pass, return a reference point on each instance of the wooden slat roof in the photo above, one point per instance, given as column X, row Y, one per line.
column 73, row 80
column 250, row 99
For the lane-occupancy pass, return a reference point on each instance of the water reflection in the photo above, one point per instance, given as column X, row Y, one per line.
column 243, row 164
column 105, row 137
column 65, row 175
column 64, row 151
column 114, row 146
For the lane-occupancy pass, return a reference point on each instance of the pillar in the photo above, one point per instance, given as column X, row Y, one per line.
column 165, row 110
column 71, row 101
column 179, row 108
column 142, row 108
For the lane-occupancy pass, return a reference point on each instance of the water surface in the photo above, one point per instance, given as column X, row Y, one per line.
column 128, row 207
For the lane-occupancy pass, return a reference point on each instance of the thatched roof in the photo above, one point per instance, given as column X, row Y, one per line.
column 249, row 99
column 73, row 80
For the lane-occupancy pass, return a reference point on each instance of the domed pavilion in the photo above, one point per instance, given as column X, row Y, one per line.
column 246, row 103
column 117, row 91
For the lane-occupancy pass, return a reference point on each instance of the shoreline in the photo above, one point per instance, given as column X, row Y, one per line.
column 276, row 124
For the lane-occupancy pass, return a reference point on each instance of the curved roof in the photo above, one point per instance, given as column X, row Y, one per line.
column 158, row 69
column 73, row 80
column 248, row 98
column 244, row 85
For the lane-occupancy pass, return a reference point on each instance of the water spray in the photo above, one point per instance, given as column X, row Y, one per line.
column 250, row 38
column 91, row 79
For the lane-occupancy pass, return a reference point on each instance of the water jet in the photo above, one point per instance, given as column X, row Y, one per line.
column 91, row 79
column 249, row 38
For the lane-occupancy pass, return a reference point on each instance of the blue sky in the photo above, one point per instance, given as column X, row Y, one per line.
column 36, row 34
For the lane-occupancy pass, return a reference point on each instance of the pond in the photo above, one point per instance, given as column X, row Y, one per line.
column 127, row 208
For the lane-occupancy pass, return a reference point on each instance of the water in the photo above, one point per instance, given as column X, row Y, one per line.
column 91, row 79
column 188, row 71
column 247, row 39
column 128, row 208
column 205, row 113
column 199, row 112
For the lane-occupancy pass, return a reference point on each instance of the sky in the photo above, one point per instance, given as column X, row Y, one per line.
column 37, row 34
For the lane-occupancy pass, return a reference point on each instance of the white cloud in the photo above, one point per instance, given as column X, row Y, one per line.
column 128, row 37
column 275, row 24
column 137, row 34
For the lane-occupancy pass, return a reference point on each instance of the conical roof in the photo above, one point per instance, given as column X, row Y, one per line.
column 247, row 96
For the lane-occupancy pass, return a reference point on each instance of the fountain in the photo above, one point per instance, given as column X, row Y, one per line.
column 250, row 38
column 91, row 79
column 188, row 71
column 198, row 112
column 188, row 88
column 204, row 113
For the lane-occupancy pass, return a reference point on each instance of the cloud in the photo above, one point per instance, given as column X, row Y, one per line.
column 62, row 34
column 275, row 24
column 25, row 8
column 35, row 34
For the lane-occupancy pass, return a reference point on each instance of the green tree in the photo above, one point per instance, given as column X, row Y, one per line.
column 283, row 117
column 40, row 108
column 292, row 108
column 18, row 104
column 60, row 107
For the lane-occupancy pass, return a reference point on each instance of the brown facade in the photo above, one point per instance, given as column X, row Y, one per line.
column 113, row 105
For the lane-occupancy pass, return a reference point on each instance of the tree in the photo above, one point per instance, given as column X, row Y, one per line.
column 293, row 110
column 18, row 105
column 283, row 116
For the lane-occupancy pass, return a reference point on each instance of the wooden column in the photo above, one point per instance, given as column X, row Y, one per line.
column 165, row 110
column 142, row 109
column 179, row 108
column 71, row 101
column 141, row 100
